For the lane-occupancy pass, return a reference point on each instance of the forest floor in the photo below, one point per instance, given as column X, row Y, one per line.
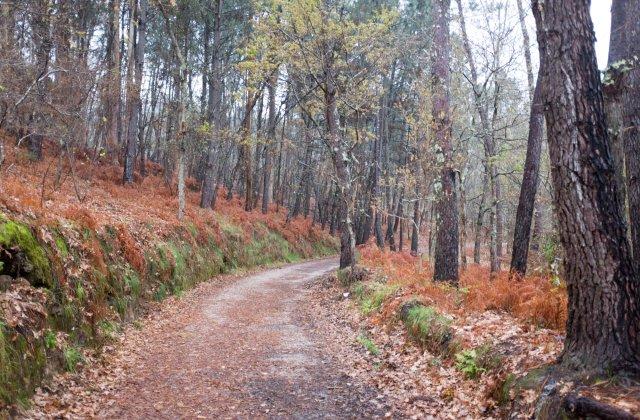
column 252, row 347
column 293, row 342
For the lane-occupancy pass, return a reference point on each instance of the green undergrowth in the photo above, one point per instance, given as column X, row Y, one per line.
column 428, row 328
column 95, row 280
column 30, row 257
column 477, row 361
column 368, row 344
column 371, row 295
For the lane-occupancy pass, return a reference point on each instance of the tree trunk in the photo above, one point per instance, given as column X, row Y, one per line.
column 213, row 114
column 391, row 222
column 334, row 210
column 415, row 228
column 111, row 100
column 496, row 188
column 603, row 327
column 488, row 139
column 613, row 93
column 631, row 122
column 479, row 221
column 134, row 82
column 245, row 146
column 43, row 44
column 398, row 221
column 7, row 27
column 383, row 131
column 446, row 250
column 340, row 154
column 267, row 187
column 530, row 180
column 377, row 221
column 463, row 223
column 181, row 82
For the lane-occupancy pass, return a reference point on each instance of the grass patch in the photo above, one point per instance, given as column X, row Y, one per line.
column 50, row 340
column 427, row 327
column 467, row 363
column 160, row 293
column 227, row 227
column 72, row 357
column 379, row 293
column 502, row 393
column 21, row 365
column 371, row 296
column 61, row 245
column 108, row 329
column 368, row 344
column 132, row 283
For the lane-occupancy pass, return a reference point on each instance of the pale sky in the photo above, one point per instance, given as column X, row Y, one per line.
column 601, row 16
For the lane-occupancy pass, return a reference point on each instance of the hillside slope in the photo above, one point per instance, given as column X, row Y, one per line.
column 80, row 254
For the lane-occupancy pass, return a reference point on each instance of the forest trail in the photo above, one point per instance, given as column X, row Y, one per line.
column 249, row 349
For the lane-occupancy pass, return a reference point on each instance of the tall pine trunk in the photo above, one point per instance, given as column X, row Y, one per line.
column 207, row 197
column 137, row 26
column 267, row 187
column 631, row 122
column 111, row 95
column 603, row 326
column 446, row 249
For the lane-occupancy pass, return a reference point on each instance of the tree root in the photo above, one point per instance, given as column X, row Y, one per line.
column 580, row 407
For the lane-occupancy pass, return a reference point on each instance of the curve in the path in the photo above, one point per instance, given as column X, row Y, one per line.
column 250, row 349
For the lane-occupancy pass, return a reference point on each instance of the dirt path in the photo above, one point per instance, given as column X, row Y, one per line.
column 249, row 349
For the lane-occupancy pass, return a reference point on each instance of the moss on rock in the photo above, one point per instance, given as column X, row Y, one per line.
column 18, row 236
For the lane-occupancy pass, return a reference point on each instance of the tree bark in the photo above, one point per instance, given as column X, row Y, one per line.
column 111, row 100
column 267, row 187
column 341, row 158
column 43, row 45
column 529, row 187
column 377, row 221
column 613, row 95
column 446, row 250
column 137, row 25
column 245, row 158
column 603, row 327
column 213, row 114
column 415, row 228
column 631, row 122
column 463, row 223
column 181, row 82
column 479, row 221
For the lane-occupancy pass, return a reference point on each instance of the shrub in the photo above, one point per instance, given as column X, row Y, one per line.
column 540, row 299
column 475, row 362
column 467, row 363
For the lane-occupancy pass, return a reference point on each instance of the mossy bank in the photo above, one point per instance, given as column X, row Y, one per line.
column 68, row 283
